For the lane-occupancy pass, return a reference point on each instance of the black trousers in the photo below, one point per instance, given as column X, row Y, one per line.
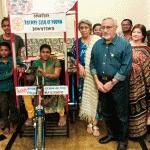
column 8, row 101
column 115, row 111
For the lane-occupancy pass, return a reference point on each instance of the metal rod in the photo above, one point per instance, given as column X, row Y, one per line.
column 73, row 99
column 35, row 136
column 26, row 44
column 13, row 52
column 77, row 50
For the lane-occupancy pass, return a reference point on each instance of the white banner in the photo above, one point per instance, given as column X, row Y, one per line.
column 38, row 23
column 26, row 90
column 55, row 90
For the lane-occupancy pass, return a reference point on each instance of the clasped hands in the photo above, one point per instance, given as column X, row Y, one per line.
column 39, row 70
column 42, row 72
column 104, row 87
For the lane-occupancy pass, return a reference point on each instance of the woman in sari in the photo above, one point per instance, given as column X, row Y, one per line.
column 88, row 93
column 139, row 84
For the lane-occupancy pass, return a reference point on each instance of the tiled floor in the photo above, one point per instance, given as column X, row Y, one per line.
column 79, row 140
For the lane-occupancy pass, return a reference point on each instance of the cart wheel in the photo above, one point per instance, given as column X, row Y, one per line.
column 39, row 134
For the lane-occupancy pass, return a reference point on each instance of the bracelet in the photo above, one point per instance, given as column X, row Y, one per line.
column 113, row 82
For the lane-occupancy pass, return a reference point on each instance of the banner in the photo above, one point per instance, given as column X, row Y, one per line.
column 38, row 23
column 19, row 7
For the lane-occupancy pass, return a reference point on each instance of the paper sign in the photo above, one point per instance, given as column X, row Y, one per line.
column 55, row 90
column 26, row 90
column 48, row 90
column 38, row 23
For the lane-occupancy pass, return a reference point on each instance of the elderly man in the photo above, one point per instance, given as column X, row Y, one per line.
column 111, row 62
column 126, row 26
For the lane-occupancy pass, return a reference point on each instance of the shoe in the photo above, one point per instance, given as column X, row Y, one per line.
column 122, row 146
column 106, row 139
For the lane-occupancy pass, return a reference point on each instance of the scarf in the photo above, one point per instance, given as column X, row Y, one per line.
column 88, row 107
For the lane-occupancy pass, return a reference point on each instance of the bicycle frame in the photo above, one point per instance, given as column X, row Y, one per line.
column 39, row 141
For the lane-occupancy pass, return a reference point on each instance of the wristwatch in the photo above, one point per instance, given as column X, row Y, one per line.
column 113, row 82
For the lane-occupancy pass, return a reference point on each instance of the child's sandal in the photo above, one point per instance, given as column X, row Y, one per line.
column 29, row 122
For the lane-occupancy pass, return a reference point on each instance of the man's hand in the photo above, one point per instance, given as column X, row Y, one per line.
column 82, row 72
column 100, row 86
column 11, row 73
column 108, row 86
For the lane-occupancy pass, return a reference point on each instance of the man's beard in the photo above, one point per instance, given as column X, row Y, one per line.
column 106, row 37
column 127, row 31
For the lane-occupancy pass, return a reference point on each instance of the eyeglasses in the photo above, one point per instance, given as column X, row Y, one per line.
column 97, row 29
column 125, row 25
column 107, row 27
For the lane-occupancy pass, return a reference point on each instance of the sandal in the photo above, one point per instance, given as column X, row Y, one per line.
column 96, row 131
column 29, row 122
column 6, row 131
column 62, row 121
column 89, row 128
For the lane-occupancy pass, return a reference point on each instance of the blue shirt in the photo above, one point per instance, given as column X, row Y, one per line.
column 6, row 80
column 113, row 59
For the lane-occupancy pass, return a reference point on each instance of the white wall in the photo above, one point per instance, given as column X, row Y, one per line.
column 136, row 10
column 95, row 10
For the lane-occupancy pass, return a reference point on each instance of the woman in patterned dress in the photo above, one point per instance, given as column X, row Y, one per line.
column 88, row 93
column 50, row 68
column 139, row 84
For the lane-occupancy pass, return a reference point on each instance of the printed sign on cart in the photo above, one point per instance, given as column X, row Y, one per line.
column 38, row 23
column 55, row 90
column 26, row 90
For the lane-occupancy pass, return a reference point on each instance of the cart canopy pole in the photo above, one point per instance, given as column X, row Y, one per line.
column 26, row 44
column 13, row 52
column 77, row 49
column 66, row 72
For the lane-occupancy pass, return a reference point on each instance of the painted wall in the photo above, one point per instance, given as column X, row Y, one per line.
column 136, row 10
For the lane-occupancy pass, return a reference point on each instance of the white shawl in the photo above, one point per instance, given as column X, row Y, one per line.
column 88, row 107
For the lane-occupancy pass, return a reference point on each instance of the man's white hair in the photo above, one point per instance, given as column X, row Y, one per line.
column 114, row 20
